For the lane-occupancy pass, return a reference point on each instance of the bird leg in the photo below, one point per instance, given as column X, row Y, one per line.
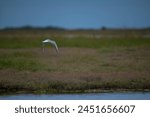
column 43, row 48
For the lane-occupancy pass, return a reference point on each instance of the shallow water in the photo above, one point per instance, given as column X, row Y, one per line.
column 85, row 96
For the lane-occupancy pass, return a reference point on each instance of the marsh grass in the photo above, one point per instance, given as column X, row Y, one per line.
column 32, row 38
column 19, row 60
column 14, row 43
column 72, row 83
column 83, row 64
column 74, row 70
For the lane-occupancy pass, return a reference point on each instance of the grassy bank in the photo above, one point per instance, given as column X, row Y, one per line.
column 45, row 82
column 85, row 64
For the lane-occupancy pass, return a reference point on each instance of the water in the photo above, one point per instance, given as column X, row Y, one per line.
column 88, row 96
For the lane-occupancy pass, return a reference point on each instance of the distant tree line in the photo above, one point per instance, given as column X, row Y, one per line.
column 29, row 27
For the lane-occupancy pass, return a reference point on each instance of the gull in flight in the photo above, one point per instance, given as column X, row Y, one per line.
column 53, row 43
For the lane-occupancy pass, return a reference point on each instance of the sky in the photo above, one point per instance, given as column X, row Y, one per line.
column 73, row 14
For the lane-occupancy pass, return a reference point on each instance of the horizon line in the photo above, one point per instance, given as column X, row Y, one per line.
column 63, row 28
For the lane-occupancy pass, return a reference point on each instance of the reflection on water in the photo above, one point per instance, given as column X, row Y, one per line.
column 88, row 96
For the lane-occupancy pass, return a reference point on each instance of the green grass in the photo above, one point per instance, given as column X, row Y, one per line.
column 19, row 60
column 85, row 39
column 13, row 43
column 75, row 42
column 100, row 43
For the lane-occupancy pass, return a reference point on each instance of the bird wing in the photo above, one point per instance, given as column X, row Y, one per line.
column 56, row 47
column 46, row 41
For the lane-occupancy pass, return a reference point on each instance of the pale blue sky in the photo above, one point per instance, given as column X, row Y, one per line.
column 75, row 13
